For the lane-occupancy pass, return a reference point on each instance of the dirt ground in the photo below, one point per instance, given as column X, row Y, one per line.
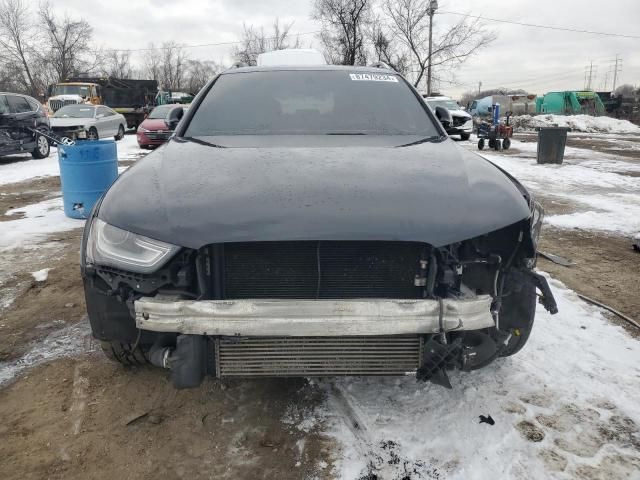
column 86, row 418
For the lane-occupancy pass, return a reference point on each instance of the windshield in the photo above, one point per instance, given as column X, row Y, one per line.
column 82, row 90
column 161, row 112
column 310, row 102
column 448, row 104
column 75, row 111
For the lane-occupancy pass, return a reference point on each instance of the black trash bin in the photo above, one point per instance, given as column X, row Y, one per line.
column 551, row 143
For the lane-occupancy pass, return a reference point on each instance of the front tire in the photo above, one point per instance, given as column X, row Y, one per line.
column 120, row 134
column 92, row 134
column 465, row 136
column 42, row 148
column 506, row 143
column 124, row 353
column 481, row 144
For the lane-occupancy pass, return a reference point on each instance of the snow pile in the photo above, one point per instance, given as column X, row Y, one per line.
column 577, row 123
column 41, row 275
column 40, row 220
column 564, row 407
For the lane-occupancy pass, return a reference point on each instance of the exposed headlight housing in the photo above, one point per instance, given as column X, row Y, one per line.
column 111, row 246
column 537, row 216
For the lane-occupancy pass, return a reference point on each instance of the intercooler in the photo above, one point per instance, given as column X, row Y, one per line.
column 317, row 356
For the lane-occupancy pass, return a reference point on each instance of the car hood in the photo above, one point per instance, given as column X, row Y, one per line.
column 154, row 124
column 460, row 113
column 192, row 194
column 70, row 122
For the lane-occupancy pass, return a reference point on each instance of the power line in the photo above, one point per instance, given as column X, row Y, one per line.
column 218, row 44
column 548, row 27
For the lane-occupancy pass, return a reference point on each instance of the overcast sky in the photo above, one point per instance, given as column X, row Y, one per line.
column 538, row 60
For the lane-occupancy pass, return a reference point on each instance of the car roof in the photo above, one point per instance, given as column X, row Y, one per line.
column 284, row 68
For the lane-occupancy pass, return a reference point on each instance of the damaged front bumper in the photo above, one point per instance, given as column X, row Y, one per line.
column 312, row 317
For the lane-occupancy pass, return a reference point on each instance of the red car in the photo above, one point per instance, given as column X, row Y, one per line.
column 155, row 130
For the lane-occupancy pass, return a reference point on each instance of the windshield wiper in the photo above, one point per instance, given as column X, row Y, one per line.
column 198, row 141
column 346, row 133
column 434, row 138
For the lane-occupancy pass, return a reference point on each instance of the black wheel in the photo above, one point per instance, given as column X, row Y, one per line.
column 481, row 144
column 506, row 143
column 42, row 148
column 518, row 311
column 497, row 145
column 123, row 353
column 92, row 134
column 492, row 143
column 465, row 136
column 120, row 134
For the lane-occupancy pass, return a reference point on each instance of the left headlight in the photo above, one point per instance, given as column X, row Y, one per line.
column 111, row 246
column 537, row 215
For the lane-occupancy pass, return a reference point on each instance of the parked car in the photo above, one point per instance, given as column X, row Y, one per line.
column 20, row 115
column 88, row 121
column 155, row 130
column 308, row 221
column 462, row 122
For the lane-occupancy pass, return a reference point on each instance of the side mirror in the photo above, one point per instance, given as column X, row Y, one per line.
column 444, row 116
column 174, row 118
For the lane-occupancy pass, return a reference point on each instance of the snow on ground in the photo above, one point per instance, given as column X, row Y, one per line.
column 578, row 123
column 40, row 220
column 565, row 405
column 604, row 188
column 18, row 168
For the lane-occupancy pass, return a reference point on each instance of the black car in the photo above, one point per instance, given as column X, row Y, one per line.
column 312, row 221
column 21, row 118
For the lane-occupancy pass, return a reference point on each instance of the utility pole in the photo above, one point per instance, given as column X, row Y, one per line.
column 589, row 74
column 606, row 79
column 479, row 87
column 616, row 69
column 433, row 6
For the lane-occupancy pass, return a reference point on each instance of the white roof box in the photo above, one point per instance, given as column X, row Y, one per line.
column 290, row 57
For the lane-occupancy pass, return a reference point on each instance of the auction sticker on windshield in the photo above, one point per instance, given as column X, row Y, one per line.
column 373, row 77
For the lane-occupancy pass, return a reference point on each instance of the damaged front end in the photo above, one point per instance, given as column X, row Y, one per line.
column 316, row 308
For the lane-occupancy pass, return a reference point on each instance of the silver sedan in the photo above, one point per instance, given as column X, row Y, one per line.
column 88, row 121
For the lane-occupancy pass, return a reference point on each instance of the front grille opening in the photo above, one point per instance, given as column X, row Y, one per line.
column 322, row 270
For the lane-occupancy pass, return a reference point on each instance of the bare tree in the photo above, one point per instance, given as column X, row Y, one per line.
column 117, row 64
column 69, row 42
column 343, row 32
column 385, row 48
column 173, row 66
column 151, row 62
column 255, row 42
column 625, row 91
column 17, row 41
column 409, row 22
column 199, row 73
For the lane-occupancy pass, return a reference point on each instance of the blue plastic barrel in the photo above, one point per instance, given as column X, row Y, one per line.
column 87, row 169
